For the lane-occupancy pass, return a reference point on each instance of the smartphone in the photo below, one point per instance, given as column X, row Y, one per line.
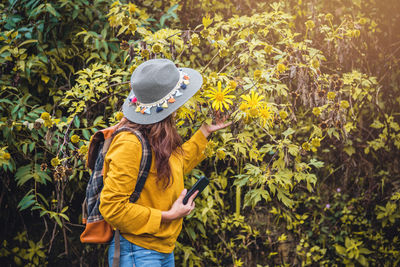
column 198, row 186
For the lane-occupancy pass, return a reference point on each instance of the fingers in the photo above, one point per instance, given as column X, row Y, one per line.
column 191, row 199
column 183, row 193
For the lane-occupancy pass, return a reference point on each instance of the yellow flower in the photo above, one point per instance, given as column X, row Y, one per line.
column 132, row 27
column 316, row 142
column 221, row 154
column 45, row 116
column 132, row 68
column 253, row 112
column 315, row 63
column 213, row 75
column 83, row 150
column 205, row 33
column 6, row 156
column 268, row 49
column 310, row 24
column 132, row 8
column 266, row 116
column 344, row 104
column 125, row 21
column 48, row 123
column 75, row 139
column 220, row 97
column 316, row 111
column 145, row 53
column 243, row 106
column 157, row 48
column 119, row 115
column 329, row 16
column 281, row 67
column 306, row 146
column 55, row 162
column 223, row 52
column 207, row 21
column 331, row 95
column 283, row 114
column 253, row 100
column 232, row 84
column 257, row 74
column 195, row 40
column 362, row 21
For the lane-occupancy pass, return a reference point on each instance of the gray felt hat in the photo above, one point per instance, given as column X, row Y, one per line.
column 158, row 89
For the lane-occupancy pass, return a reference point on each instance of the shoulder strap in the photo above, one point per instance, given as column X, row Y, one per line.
column 145, row 163
column 144, row 169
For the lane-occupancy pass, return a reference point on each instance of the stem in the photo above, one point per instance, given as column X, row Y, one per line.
column 210, row 61
column 238, row 193
column 230, row 62
column 65, row 135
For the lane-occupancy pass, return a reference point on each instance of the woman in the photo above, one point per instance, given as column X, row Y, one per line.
column 149, row 227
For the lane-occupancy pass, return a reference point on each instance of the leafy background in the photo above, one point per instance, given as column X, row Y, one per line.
column 307, row 175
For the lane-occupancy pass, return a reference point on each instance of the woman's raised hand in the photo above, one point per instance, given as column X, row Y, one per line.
column 220, row 124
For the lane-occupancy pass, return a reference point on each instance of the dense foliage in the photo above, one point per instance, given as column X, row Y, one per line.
column 307, row 175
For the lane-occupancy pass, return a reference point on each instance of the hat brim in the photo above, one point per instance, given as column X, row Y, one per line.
column 129, row 110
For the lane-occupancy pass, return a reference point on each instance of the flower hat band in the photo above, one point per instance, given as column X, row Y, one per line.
column 158, row 88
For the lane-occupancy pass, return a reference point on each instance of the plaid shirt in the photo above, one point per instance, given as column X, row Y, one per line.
column 95, row 184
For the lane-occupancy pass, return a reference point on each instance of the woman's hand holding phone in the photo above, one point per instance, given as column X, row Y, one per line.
column 178, row 209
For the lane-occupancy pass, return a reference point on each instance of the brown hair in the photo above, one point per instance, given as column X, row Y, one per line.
column 164, row 140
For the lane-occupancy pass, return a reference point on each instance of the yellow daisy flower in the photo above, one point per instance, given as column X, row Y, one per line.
column 55, row 162
column 253, row 100
column 266, row 116
column 221, row 98
column 75, row 139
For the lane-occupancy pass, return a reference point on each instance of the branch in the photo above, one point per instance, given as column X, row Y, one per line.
column 210, row 61
column 223, row 68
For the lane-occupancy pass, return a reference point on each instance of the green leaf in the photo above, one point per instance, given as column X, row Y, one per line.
column 31, row 146
column 77, row 123
column 340, row 250
column 98, row 120
column 86, row 134
column 26, row 202
column 64, row 216
column 288, row 132
column 64, row 209
column 23, row 174
column 350, row 150
column 57, row 220
column 27, row 42
column 51, row 10
column 316, row 163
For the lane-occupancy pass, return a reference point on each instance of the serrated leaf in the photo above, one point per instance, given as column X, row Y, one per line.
column 316, row 163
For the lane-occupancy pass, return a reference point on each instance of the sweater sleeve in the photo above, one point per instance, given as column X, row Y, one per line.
column 124, row 157
column 193, row 151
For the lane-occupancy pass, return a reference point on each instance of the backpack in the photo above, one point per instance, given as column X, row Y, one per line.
column 97, row 230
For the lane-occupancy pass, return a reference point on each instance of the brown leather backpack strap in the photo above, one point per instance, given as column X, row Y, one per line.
column 117, row 249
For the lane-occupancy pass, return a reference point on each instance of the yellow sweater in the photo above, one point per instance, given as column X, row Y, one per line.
column 140, row 222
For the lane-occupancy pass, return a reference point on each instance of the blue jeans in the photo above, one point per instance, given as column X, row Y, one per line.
column 132, row 255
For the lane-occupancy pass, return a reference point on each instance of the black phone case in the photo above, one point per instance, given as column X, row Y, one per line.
column 199, row 185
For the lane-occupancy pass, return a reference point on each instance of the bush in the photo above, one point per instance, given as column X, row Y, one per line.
column 305, row 176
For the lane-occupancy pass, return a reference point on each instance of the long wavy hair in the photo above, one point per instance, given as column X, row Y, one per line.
column 164, row 140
